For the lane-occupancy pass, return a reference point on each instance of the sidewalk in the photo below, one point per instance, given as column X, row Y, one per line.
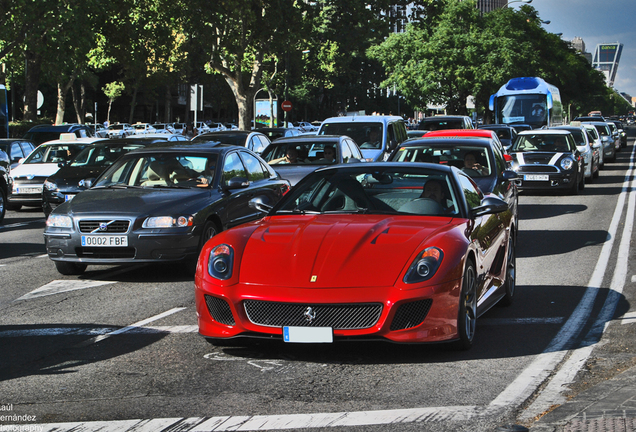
column 608, row 406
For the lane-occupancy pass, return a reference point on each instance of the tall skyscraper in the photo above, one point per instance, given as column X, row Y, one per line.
column 606, row 58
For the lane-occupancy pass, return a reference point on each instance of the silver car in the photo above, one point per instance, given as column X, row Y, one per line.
column 609, row 142
column 589, row 154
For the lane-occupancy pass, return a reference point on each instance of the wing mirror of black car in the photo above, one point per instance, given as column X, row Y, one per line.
column 61, row 164
column 258, row 204
column 236, row 183
column 490, row 205
column 86, row 183
column 509, row 175
column 392, row 145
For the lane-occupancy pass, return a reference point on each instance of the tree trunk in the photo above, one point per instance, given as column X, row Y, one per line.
column 80, row 103
column 167, row 105
column 110, row 104
column 33, row 67
column 133, row 104
column 62, row 91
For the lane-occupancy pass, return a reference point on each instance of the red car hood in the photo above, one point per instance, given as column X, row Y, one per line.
column 334, row 251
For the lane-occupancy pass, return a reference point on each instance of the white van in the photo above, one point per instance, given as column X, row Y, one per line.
column 377, row 136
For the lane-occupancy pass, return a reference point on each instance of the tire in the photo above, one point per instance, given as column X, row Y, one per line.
column 46, row 208
column 582, row 182
column 15, row 207
column 598, row 171
column 67, row 268
column 3, row 204
column 210, row 229
column 467, row 317
column 510, row 283
column 575, row 188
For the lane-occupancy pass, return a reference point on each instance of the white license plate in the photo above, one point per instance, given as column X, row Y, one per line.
column 105, row 240
column 536, row 177
column 68, row 197
column 308, row 334
column 30, row 190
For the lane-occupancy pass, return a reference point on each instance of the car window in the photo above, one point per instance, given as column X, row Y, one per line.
column 16, row 151
column 355, row 151
column 346, row 153
column 471, row 192
column 233, row 167
column 255, row 171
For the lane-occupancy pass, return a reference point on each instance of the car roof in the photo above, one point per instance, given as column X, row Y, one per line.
column 461, row 132
column 545, row 132
column 362, row 119
column 443, row 117
column 87, row 140
column 310, row 138
column 173, row 147
column 391, row 165
column 472, row 141
column 56, row 128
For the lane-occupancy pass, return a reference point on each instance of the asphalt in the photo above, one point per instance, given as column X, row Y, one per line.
column 609, row 405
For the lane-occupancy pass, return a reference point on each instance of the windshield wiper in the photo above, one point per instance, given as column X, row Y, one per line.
column 117, row 186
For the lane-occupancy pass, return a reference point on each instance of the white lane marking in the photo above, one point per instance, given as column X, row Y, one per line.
column 514, row 321
column 553, row 393
column 42, row 256
column 544, row 364
column 130, row 327
column 629, row 318
column 60, row 286
column 21, row 224
column 274, row 422
column 633, row 278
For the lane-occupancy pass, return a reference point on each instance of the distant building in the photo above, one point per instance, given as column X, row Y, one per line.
column 606, row 58
column 579, row 45
column 490, row 5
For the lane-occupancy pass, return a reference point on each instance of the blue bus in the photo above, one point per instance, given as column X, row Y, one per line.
column 527, row 100
column 4, row 113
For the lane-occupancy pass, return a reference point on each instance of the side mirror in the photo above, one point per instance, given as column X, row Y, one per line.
column 86, row 183
column 392, row 145
column 510, row 175
column 490, row 205
column 236, row 183
column 258, row 204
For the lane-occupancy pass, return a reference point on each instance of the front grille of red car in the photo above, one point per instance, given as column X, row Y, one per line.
column 336, row 316
column 411, row 314
column 219, row 310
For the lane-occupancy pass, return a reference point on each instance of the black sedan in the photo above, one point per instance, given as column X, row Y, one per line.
column 16, row 149
column 69, row 180
column 252, row 140
column 548, row 159
column 311, row 152
column 160, row 204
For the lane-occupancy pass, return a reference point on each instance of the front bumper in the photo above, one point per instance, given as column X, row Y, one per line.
column 538, row 180
column 143, row 246
column 422, row 315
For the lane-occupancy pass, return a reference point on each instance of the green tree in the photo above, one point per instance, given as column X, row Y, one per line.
column 112, row 91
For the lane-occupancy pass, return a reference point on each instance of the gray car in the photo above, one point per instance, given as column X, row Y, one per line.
column 608, row 140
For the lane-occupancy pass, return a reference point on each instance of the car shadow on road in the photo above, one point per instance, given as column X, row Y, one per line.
column 54, row 349
column 10, row 250
column 543, row 211
column 524, row 329
column 537, row 243
column 166, row 272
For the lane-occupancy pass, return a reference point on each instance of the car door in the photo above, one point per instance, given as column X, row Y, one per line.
column 262, row 184
column 489, row 235
column 236, row 200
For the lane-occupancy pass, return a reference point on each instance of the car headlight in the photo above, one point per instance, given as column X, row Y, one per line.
column 59, row 221
column 424, row 266
column 49, row 185
column 567, row 163
column 168, row 222
column 221, row 262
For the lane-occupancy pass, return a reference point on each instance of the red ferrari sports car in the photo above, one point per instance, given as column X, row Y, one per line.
column 404, row 252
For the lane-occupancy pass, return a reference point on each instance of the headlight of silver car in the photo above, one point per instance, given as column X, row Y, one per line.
column 221, row 262
column 567, row 163
column 49, row 185
column 59, row 221
column 168, row 222
column 424, row 266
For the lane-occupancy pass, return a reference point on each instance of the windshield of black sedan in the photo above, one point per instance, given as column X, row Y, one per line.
column 161, row 170
column 97, row 156
column 376, row 191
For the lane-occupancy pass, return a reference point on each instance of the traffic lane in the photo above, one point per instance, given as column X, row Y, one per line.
column 21, row 234
column 423, row 376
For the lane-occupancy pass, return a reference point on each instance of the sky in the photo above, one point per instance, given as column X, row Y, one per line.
column 596, row 22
